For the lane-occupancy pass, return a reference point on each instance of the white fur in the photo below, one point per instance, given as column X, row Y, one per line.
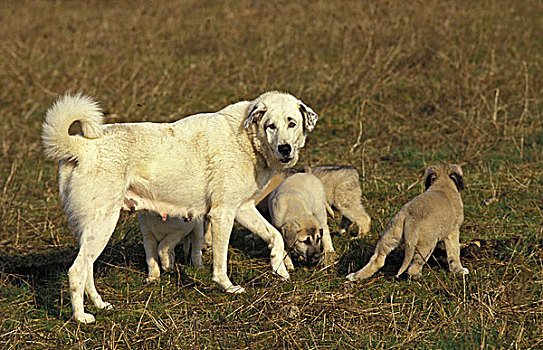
column 210, row 164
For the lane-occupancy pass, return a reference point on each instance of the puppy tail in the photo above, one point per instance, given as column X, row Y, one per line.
column 57, row 141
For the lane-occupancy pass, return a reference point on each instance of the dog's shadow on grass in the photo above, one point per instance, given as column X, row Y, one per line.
column 44, row 274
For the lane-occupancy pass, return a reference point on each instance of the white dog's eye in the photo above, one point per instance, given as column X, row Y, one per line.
column 291, row 124
column 307, row 241
column 271, row 126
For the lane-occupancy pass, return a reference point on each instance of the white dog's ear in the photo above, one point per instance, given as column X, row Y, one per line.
column 310, row 117
column 255, row 114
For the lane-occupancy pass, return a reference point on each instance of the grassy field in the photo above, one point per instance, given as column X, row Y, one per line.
column 398, row 86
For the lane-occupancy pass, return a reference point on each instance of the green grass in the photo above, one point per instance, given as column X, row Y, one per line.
column 398, row 86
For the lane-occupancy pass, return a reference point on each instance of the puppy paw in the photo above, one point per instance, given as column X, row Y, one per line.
column 151, row 279
column 84, row 318
column 235, row 289
column 464, row 271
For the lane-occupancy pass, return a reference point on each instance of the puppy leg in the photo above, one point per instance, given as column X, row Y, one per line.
column 222, row 221
column 249, row 217
column 166, row 250
column 150, row 245
column 390, row 240
column 207, row 235
column 422, row 253
column 196, row 240
column 356, row 213
column 452, row 246
column 344, row 225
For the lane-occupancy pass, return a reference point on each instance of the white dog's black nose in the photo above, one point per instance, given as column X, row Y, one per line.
column 284, row 150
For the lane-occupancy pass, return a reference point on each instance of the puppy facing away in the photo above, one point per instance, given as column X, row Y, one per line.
column 433, row 216
column 160, row 237
column 209, row 164
column 342, row 189
column 298, row 209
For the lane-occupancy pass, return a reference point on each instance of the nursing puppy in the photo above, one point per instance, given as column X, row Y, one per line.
column 298, row 209
column 212, row 163
column 160, row 237
column 435, row 215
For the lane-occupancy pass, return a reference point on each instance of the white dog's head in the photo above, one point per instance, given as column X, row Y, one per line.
column 280, row 123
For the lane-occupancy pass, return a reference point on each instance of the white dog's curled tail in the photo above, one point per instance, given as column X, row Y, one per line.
column 57, row 141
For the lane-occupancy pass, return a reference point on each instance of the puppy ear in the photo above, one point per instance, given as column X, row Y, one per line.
column 288, row 231
column 255, row 114
column 431, row 176
column 458, row 180
column 310, row 117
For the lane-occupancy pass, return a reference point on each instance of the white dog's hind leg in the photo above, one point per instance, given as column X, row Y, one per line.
column 251, row 218
column 222, row 221
column 92, row 293
column 93, row 240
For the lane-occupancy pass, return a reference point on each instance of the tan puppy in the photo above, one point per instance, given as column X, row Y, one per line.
column 160, row 237
column 435, row 215
column 343, row 192
column 342, row 189
column 298, row 210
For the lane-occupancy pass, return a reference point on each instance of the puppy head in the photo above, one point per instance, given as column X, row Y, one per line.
column 282, row 123
column 303, row 238
column 443, row 171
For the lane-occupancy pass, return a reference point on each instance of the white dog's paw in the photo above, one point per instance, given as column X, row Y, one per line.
column 283, row 273
column 235, row 289
column 351, row 277
column 464, row 271
column 84, row 318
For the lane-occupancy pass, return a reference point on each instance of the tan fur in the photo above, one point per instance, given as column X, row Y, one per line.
column 298, row 210
column 207, row 165
column 435, row 215
column 342, row 189
column 161, row 237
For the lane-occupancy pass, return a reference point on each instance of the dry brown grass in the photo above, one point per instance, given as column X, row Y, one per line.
column 398, row 86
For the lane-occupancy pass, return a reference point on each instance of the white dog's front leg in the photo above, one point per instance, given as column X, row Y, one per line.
column 328, row 248
column 222, row 221
column 249, row 217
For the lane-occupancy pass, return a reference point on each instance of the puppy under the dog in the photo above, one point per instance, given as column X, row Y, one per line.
column 161, row 236
column 435, row 215
column 298, row 209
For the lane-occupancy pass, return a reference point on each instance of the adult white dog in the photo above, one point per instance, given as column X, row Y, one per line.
column 212, row 163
